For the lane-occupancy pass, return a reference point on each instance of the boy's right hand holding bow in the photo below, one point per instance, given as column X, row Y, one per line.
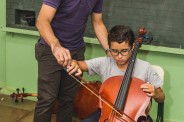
column 74, row 68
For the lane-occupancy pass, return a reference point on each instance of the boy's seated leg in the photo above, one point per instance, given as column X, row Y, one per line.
column 94, row 117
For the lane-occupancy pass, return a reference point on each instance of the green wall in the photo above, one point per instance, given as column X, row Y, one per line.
column 2, row 44
column 18, row 67
column 21, row 67
column 173, row 66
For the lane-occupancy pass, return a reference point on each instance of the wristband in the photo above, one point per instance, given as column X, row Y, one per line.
column 107, row 50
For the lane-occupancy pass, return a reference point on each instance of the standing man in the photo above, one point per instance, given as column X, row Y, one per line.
column 61, row 24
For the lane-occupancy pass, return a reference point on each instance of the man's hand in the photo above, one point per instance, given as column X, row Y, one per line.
column 74, row 68
column 62, row 55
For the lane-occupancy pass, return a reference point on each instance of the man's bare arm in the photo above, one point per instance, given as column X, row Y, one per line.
column 44, row 19
column 100, row 29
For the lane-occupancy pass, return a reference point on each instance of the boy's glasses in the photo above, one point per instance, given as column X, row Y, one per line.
column 123, row 52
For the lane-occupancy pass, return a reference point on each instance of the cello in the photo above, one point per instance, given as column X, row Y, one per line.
column 130, row 103
column 120, row 107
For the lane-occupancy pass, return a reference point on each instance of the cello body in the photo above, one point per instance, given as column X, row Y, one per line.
column 85, row 102
column 136, row 103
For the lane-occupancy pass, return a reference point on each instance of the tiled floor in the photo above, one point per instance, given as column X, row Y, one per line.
column 18, row 112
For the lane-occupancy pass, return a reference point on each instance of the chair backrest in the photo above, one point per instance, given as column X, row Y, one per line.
column 159, row 71
column 160, row 109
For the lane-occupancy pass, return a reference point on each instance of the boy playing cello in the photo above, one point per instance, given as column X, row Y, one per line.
column 121, row 43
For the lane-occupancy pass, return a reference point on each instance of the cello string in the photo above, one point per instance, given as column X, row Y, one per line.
column 113, row 115
column 126, row 80
column 123, row 86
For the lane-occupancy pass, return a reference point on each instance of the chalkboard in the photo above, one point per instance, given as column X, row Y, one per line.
column 164, row 19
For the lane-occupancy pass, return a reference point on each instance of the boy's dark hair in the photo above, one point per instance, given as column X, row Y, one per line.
column 121, row 33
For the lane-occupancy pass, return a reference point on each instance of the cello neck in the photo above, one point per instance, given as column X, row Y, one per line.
column 122, row 94
column 123, row 91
